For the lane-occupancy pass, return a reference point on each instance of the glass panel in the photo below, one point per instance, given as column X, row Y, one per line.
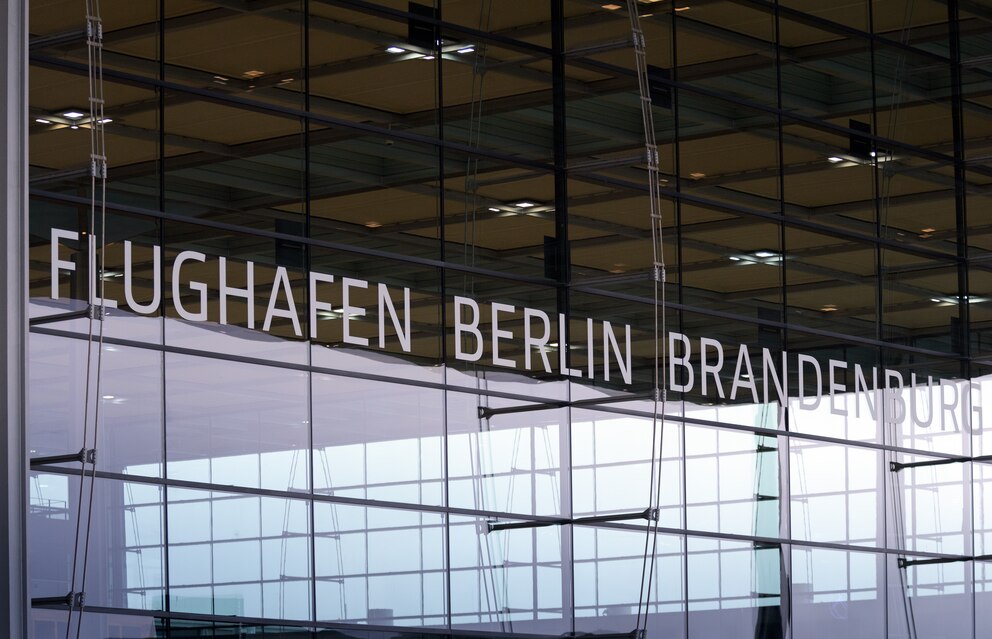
column 51, row 624
column 732, row 482
column 836, row 495
column 613, row 466
column 373, row 440
column 254, row 54
column 505, row 458
column 233, row 554
column 237, row 424
column 734, row 589
column 608, row 563
column 124, row 565
column 729, row 153
column 929, row 507
column 129, row 435
column 837, row 593
column 379, row 566
column 930, row 599
column 508, row 580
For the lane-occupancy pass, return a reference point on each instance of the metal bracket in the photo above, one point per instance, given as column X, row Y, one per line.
column 72, row 600
column 84, row 456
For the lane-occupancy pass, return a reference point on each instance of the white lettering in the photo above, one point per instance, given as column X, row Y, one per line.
column 386, row 304
column 833, row 366
column 315, row 304
column 710, row 369
column 150, row 307
column 200, row 287
column 610, row 343
column 540, row 343
column 498, row 333
column 247, row 293
column 95, row 297
column 744, row 375
column 807, row 359
column 281, row 281
column 59, row 264
column 472, row 327
column 683, row 362
column 349, row 312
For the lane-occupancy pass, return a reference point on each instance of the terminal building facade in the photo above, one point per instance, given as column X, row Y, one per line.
column 479, row 318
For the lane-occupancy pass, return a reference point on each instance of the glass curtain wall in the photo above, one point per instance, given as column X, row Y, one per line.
column 391, row 343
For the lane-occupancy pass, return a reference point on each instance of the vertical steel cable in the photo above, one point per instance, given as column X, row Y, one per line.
column 98, row 209
column 658, row 277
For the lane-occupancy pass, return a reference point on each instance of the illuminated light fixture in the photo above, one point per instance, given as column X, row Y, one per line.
column 107, row 397
column 928, row 230
column 372, row 224
column 682, row 8
column 834, row 159
column 611, row 7
column 493, row 209
column 828, row 308
column 42, row 121
column 105, row 121
column 697, row 175
column 525, row 204
column 466, row 50
column 427, row 57
column 254, row 73
column 286, row 80
column 74, row 126
column 765, row 254
column 395, row 49
column 72, row 114
column 734, row 258
column 935, row 300
column 618, row 268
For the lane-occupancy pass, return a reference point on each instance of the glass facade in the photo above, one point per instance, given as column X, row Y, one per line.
column 374, row 332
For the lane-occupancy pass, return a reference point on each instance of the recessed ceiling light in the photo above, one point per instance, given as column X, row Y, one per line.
column 372, row 224
column 105, row 121
column 835, row 159
column 493, row 209
column 107, row 397
column 525, row 204
column 734, row 258
column 395, row 49
column 934, row 299
column 466, row 50
column 764, row 254
column 254, row 73
column 927, row 230
column 828, row 308
column 697, row 175
column 42, row 121
column 611, row 7
column 682, row 8
column 72, row 114
column 427, row 57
